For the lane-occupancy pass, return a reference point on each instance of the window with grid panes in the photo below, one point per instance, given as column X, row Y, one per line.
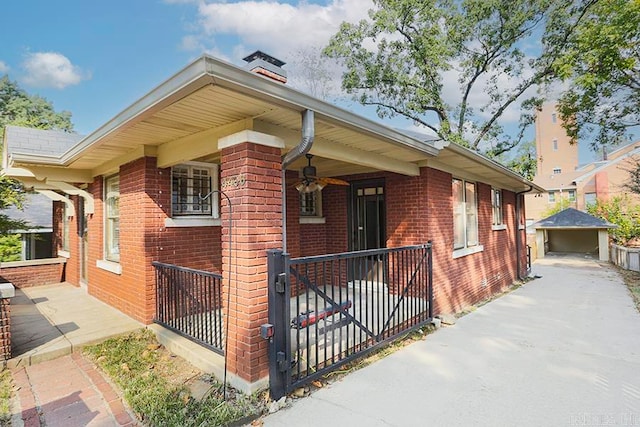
column 191, row 187
column 112, row 218
column 465, row 214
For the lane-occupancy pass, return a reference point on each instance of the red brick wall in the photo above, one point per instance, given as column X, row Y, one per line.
column 257, row 213
column 34, row 275
column 5, row 328
column 419, row 209
column 145, row 203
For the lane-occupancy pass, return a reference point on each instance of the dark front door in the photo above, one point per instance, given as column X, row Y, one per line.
column 367, row 215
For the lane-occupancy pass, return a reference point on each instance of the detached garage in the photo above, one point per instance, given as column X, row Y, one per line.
column 573, row 231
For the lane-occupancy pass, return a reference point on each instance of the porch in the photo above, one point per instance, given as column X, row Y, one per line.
column 54, row 320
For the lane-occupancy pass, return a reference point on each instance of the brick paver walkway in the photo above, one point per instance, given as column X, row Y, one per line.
column 68, row 392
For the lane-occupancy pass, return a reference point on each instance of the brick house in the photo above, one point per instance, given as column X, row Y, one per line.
column 156, row 184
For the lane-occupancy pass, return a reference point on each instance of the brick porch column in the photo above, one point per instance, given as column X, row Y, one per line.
column 7, row 291
column 251, row 177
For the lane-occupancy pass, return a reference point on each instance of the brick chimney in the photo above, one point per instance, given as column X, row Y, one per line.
column 261, row 63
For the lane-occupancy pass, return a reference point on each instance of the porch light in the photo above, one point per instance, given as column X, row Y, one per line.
column 304, row 187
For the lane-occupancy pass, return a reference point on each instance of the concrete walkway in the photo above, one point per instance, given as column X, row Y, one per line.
column 52, row 321
column 562, row 350
column 53, row 386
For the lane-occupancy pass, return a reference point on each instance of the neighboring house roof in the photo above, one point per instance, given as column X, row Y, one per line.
column 572, row 218
column 38, row 141
column 183, row 118
column 617, row 156
column 37, row 211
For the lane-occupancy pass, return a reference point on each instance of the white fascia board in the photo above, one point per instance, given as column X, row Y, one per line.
column 589, row 174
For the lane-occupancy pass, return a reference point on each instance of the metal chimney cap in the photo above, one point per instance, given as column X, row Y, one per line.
column 258, row 54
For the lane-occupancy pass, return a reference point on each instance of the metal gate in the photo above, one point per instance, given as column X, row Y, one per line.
column 323, row 318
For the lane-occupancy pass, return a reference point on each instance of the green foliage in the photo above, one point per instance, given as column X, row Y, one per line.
column 10, row 248
column 602, row 64
column 524, row 161
column 21, row 109
column 6, row 389
column 142, row 374
column 633, row 184
column 558, row 207
column 621, row 211
column 404, row 56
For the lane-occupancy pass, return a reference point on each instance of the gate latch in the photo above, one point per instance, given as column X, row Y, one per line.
column 281, row 360
column 280, row 282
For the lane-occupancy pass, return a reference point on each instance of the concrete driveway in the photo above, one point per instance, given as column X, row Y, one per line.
column 562, row 350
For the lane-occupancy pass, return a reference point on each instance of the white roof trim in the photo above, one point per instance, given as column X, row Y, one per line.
column 59, row 198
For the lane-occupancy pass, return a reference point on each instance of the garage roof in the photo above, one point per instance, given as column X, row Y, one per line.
column 572, row 218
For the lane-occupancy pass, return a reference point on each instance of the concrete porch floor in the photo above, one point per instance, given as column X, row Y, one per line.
column 55, row 320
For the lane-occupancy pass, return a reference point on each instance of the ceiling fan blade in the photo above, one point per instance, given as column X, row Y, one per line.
column 334, row 181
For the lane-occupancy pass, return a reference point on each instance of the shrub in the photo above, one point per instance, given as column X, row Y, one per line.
column 623, row 212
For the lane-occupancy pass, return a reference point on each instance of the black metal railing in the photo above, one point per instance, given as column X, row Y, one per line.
column 189, row 302
column 339, row 307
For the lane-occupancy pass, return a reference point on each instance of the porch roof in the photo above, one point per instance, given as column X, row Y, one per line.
column 183, row 118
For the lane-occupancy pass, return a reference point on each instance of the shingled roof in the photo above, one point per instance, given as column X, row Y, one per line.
column 572, row 218
column 38, row 141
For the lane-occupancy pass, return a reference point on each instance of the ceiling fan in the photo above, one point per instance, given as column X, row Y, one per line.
column 310, row 182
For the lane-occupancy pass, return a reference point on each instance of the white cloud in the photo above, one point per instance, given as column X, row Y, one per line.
column 4, row 68
column 279, row 28
column 51, row 69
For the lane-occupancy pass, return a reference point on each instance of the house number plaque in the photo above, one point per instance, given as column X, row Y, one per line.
column 233, row 182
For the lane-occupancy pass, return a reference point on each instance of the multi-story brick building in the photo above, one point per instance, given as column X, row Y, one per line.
column 204, row 172
column 559, row 172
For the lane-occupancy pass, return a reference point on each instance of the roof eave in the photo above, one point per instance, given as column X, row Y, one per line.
column 208, row 70
column 458, row 149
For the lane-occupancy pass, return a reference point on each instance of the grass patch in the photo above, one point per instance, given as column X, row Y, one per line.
column 155, row 384
column 6, row 390
column 632, row 280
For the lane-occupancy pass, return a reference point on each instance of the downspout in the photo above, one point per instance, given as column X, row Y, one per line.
column 308, row 133
column 518, row 238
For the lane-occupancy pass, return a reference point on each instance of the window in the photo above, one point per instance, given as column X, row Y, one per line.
column 555, row 144
column 554, row 117
column 496, row 205
column 311, row 204
column 191, row 186
column 590, row 199
column 112, row 218
column 465, row 214
column 572, row 195
column 552, row 197
column 557, row 171
column 65, row 227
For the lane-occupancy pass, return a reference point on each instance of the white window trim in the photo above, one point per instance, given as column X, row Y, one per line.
column 64, row 254
column 110, row 266
column 501, row 225
column 462, row 252
column 312, row 220
column 466, row 247
column 192, row 221
column 105, row 219
column 214, row 169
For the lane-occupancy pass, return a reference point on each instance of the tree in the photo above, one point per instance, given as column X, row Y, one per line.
column 633, row 184
column 403, row 57
column 602, row 65
column 21, row 109
column 623, row 212
column 312, row 73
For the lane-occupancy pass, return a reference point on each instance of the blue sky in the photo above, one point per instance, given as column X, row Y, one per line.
column 94, row 58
